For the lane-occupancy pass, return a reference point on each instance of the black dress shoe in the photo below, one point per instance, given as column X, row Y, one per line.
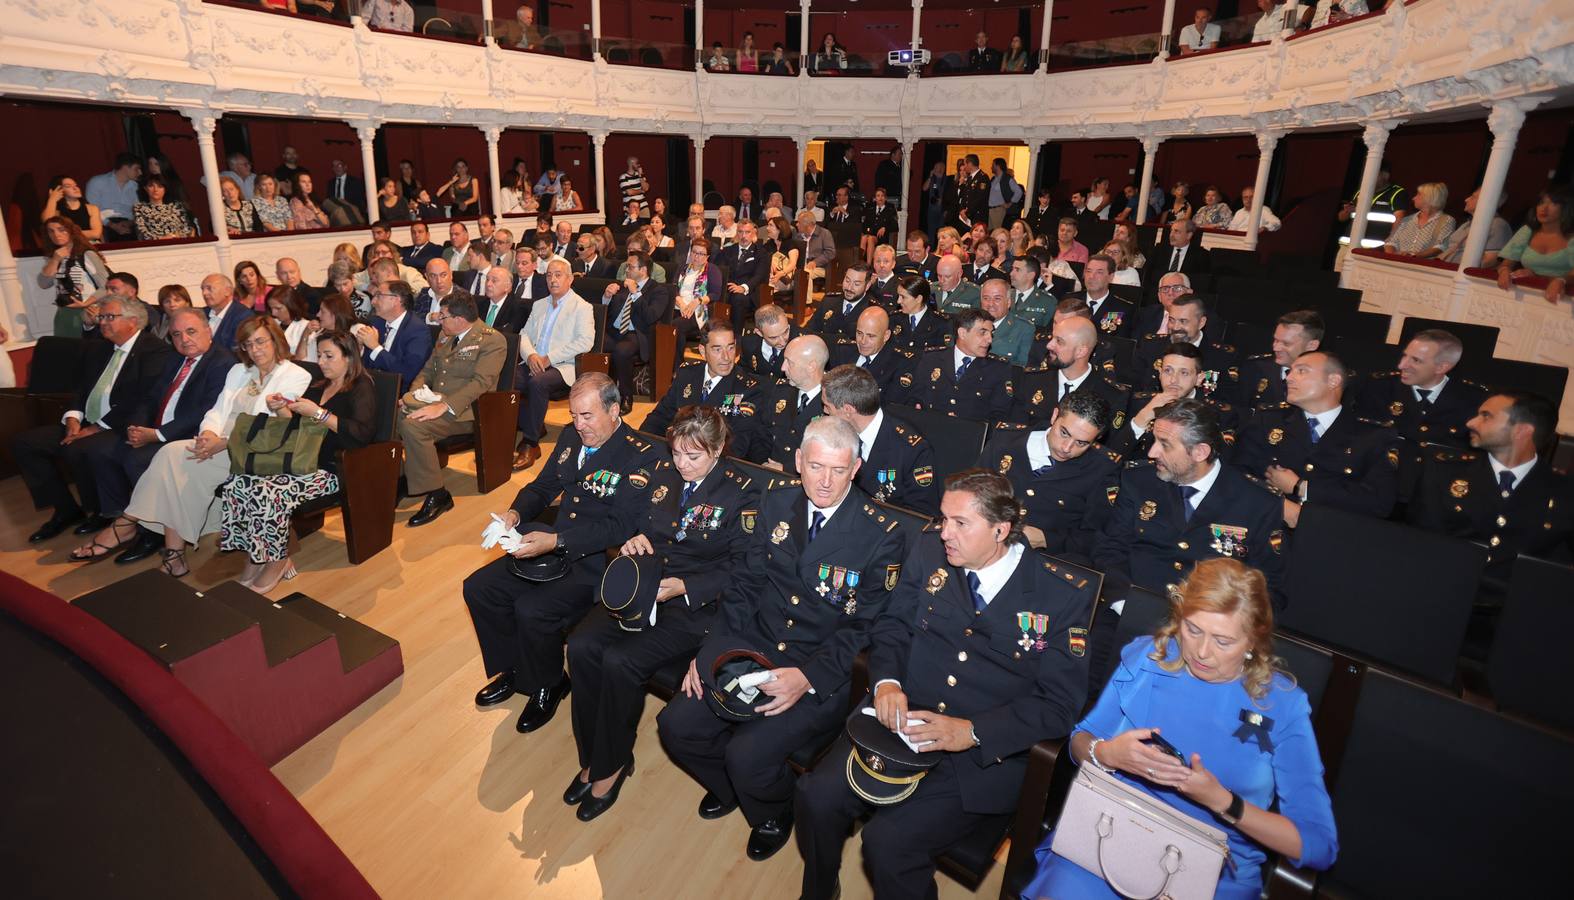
column 496, row 691
column 95, row 522
column 147, row 544
column 435, row 504
column 55, row 527
column 711, row 807
column 577, row 790
column 769, row 836
column 595, row 806
column 542, row 706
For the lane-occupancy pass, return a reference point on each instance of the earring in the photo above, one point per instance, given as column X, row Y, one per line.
column 1248, row 654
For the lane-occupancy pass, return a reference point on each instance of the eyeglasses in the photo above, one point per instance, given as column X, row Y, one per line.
column 109, row 317
column 257, row 343
column 1171, row 287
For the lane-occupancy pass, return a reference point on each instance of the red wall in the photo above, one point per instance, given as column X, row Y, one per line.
column 652, row 153
column 728, row 26
column 870, row 35
column 1081, row 161
column 952, row 30
column 1229, row 162
column 1313, row 163
column 1083, row 20
column 433, row 149
column 1536, row 159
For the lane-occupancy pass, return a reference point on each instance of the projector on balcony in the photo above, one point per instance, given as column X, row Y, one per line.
column 907, row 58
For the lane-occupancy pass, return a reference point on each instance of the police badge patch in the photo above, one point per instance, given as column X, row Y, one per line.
column 936, row 581
column 779, row 533
column 892, row 573
column 746, row 518
column 1005, row 464
column 781, row 406
column 1077, row 641
column 924, row 475
column 1459, row 487
column 563, row 456
column 1148, row 511
column 659, row 494
column 935, row 375
column 1275, row 436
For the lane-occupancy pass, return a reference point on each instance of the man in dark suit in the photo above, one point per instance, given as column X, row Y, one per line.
column 1188, row 319
column 396, row 341
column 838, row 313
column 530, row 280
column 823, row 562
column 1313, row 449
column 421, row 249
column 456, row 248
column 746, row 267
column 631, row 217
column 918, row 260
column 478, row 262
column 1504, row 493
column 795, row 401
column 1060, row 473
column 717, row 381
column 288, row 272
column 633, row 312
column 1178, row 254
column 497, row 307
column 1263, row 375
column 117, row 373
column 981, row 57
column 748, row 210
column 973, row 194
column 589, row 262
column 345, row 200
column 602, row 471
column 1045, row 215
column 962, row 380
column 171, row 411
column 762, row 351
column 1068, row 366
column 224, row 314
column 898, row 462
column 932, row 657
column 439, row 286
column 1110, row 313
column 870, row 349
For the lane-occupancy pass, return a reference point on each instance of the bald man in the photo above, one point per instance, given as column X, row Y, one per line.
column 870, row 349
column 287, row 271
column 952, row 293
column 498, row 308
column 795, row 401
column 224, row 315
column 1068, row 366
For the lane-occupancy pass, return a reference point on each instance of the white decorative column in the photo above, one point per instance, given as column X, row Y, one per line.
column 203, row 121
column 918, row 7
column 803, row 38
column 595, row 29
column 600, row 137
column 802, row 140
column 698, row 138
column 1505, row 120
column 367, row 132
column 1043, row 36
column 1376, row 139
column 1292, row 17
column 13, row 308
column 1150, row 153
column 487, row 22
column 1035, row 146
column 699, row 34
column 903, row 205
column 495, row 167
column 1167, row 30
column 1266, row 142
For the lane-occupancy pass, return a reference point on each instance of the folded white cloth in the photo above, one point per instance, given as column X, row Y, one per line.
column 426, row 395
column 916, row 748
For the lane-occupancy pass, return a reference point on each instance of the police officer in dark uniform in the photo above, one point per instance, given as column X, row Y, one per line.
column 761, row 352
column 837, row 314
column 692, row 527
column 1427, row 404
column 898, row 462
column 822, row 562
column 870, row 349
column 1111, row 314
column 963, row 380
column 603, row 471
column 1181, row 377
column 1111, row 355
column 792, row 403
column 1503, row 493
column 983, row 643
column 1312, row 449
column 918, row 260
column 1220, row 362
column 1067, row 367
column 1059, row 473
column 973, row 191
column 916, row 326
column 715, row 381
column 1262, row 376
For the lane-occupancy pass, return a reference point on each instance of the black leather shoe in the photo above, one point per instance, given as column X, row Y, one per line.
column 595, row 806
column 542, row 706
column 711, row 807
column 147, row 544
column 769, row 836
column 496, row 691
column 435, row 504
column 577, row 790
column 95, row 522
column 55, row 527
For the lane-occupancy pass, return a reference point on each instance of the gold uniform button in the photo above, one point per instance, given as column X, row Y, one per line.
column 950, row 680
column 1177, row 567
column 1308, row 467
column 789, row 623
column 782, row 647
column 940, row 707
column 795, row 601
column 1501, row 521
column 962, row 657
column 1495, row 540
column 1183, row 545
column 969, row 632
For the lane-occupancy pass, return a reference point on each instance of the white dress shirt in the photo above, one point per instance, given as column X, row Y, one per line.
column 1243, row 218
column 116, row 359
column 867, row 436
column 1520, row 471
column 388, row 336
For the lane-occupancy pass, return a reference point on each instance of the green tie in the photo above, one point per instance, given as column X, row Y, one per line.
column 98, row 400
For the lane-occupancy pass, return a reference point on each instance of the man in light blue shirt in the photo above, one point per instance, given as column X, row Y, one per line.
column 115, row 193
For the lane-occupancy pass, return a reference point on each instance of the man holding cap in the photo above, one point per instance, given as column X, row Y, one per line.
column 822, row 559
column 979, row 655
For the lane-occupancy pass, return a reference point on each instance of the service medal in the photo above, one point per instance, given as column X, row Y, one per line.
column 822, row 588
column 1275, row 436
column 1459, row 487
column 1025, row 623
column 779, row 533
column 1148, row 511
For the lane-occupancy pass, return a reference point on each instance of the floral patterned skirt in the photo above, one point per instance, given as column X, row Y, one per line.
column 257, row 510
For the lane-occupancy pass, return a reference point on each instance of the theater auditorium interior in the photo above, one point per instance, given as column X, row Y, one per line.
column 1020, row 448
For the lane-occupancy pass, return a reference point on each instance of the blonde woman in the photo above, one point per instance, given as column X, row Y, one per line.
column 1124, row 273
column 1425, row 234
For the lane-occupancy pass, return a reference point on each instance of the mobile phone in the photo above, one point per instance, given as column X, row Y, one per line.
column 1157, row 742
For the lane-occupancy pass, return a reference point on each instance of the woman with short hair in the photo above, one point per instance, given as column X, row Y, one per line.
column 1425, row 234
column 1209, row 683
column 273, row 211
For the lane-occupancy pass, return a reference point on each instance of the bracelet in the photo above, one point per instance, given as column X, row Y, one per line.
column 1094, row 757
column 322, row 414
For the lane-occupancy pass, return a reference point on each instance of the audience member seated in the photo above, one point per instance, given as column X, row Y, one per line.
column 160, row 219
column 457, row 245
column 1029, row 300
column 251, row 286
column 396, row 341
column 1178, row 254
column 718, row 60
column 1214, row 212
column 1314, row 450
column 288, row 272
column 897, row 462
column 65, row 201
column 225, row 316
column 1330, row 12
column 341, row 280
column 1181, row 374
column 1270, row 23
column 838, row 533
column 794, row 401
column 1188, row 321
column 838, row 312
column 465, row 363
column 748, row 56
column 691, row 538
column 603, row 473
column 634, row 308
column 439, row 285
column 288, row 309
column 762, row 352
column 1113, row 314
column 1067, row 248
column 1201, row 34
column 1209, row 681
column 256, row 509
column 524, row 35
column 392, row 206
column 844, row 219
column 1498, row 234
column 747, row 265
column 497, row 306
column 1426, row 404
column 778, row 63
column 478, row 265
column 335, row 314
column 117, row 376
column 421, row 249
column 1068, row 366
column 1180, row 208
column 917, row 327
column 868, row 350
column 1542, row 248
column 389, row 15
column 963, row 380
column 174, row 496
column 1017, row 58
column 271, row 207
column 1263, row 376
column 171, row 297
column 387, row 251
column 725, row 231
column 114, row 195
column 981, row 57
column 917, row 260
column 830, row 58
column 814, row 244
column 692, row 290
column 346, row 193
column 982, row 266
column 1425, row 234
column 1242, row 219
column 561, row 326
column 716, row 380
column 567, row 199
column 951, row 292
column 1013, row 338
column 879, row 223
column 694, row 229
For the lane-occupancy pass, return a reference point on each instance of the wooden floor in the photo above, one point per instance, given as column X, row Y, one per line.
column 432, row 797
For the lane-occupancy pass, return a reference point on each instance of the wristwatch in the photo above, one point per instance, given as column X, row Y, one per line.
column 974, row 732
column 1232, row 813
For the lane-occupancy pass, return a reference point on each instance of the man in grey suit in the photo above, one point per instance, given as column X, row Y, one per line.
column 816, row 248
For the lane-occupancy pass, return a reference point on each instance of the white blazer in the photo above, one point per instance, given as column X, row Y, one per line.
column 573, row 333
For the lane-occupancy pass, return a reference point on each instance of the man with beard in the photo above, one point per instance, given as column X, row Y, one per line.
column 1067, row 367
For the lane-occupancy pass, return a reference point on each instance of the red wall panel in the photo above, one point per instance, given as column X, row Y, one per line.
column 870, row 35
column 1084, row 20
column 1536, row 159
column 728, row 26
column 652, row 153
column 1313, row 163
column 1228, row 162
column 433, row 149
column 1081, row 161
column 647, row 20
column 79, row 141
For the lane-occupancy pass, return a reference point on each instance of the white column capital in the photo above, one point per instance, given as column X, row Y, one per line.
column 203, row 120
column 804, row 5
column 1375, row 134
column 1150, row 144
column 365, row 130
column 917, row 5
column 1507, row 116
column 494, row 133
column 600, row 137
column 1268, row 139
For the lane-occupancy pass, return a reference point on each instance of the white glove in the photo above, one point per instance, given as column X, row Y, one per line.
column 511, row 541
column 426, row 395
column 493, row 532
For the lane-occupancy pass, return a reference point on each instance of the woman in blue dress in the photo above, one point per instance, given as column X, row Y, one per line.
column 1208, row 682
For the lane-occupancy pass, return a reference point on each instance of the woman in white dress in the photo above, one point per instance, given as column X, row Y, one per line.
column 288, row 307
column 176, row 495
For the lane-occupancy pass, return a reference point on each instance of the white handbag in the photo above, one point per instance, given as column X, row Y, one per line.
column 1143, row 848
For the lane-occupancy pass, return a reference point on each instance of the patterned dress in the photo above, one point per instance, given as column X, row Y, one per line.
column 161, row 221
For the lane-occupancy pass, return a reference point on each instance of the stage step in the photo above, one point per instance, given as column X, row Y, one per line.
column 285, row 633
column 164, row 616
column 358, row 644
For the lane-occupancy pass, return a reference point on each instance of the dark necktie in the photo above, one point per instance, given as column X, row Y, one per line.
column 962, row 369
column 1065, row 388
column 1311, row 424
column 814, row 525
column 1175, row 260
column 710, row 384
column 688, row 491
column 1424, row 396
column 978, row 599
column 1187, row 492
column 1505, row 482
column 1043, row 470
column 913, row 320
column 803, row 401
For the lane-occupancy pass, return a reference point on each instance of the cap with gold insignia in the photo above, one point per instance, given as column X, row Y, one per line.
column 881, row 767
column 729, row 694
column 628, row 589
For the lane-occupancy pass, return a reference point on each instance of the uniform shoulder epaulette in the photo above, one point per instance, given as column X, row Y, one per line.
column 1283, row 404
column 1000, row 359
column 1114, row 457
column 1260, row 356
column 1227, row 348
column 738, row 478
column 639, row 443
column 779, row 482
column 907, row 353
column 1010, row 426
column 1260, row 483
column 1143, row 395
column 1221, row 405
column 1380, row 423
column 1029, row 370
column 745, row 376
column 1154, row 336
column 1138, row 462
column 844, row 341
column 1391, row 373
column 1456, row 456
column 663, row 464
column 887, row 521
column 1474, row 384
column 689, row 364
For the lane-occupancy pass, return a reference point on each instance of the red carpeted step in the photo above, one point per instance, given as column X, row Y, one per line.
column 164, row 616
column 358, row 644
column 285, row 633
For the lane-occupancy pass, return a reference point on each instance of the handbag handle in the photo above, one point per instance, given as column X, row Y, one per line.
column 1170, row 863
